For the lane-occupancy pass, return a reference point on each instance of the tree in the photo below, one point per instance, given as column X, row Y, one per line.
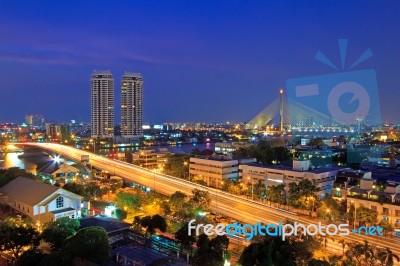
column 183, row 237
column 31, row 257
column 153, row 222
column 325, row 239
column 93, row 190
column 361, row 254
column 276, row 194
column 176, row 166
column 302, row 195
column 200, row 199
column 366, row 215
column 89, row 243
column 260, row 190
column 270, row 250
column 328, row 208
column 120, row 214
column 16, row 234
column 176, row 200
column 343, row 243
column 55, row 233
column 387, row 226
column 7, row 175
column 77, row 189
column 387, row 257
column 208, row 252
column 128, row 200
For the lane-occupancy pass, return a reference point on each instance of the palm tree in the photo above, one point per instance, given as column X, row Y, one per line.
column 388, row 257
column 343, row 243
column 325, row 238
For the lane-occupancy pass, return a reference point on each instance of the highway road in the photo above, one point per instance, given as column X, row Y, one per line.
column 241, row 209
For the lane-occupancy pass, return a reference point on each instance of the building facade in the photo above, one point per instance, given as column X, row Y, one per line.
column 215, row 170
column 385, row 202
column 102, row 104
column 151, row 159
column 132, row 105
column 273, row 175
column 42, row 202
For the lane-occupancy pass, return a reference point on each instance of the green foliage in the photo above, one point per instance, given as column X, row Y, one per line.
column 55, row 233
column 89, row 243
column 31, row 257
column 265, row 152
column 366, row 215
column 200, row 199
column 276, row 194
column 183, row 236
column 77, row 189
column 7, row 175
column 120, row 214
column 16, row 234
column 274, row 251
column 129, row 200
column 153, row 222
column 179, row 205
column 175, row 165
column 302, row 195
column 387, row 226
column 209, row 252
column 93, row 190
column 328, row 208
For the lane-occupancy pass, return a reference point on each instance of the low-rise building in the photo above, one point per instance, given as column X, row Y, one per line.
column 151, row 159
column 42, row 202
column 214, row 170
column 273, row 175
column 385, row 202
column 229, row 147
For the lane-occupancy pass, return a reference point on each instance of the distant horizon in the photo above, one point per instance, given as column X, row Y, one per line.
column 200, row 61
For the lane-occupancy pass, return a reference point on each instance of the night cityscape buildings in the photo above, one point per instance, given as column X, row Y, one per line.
column 102, row 104
column 132, row 105
column 256, row 114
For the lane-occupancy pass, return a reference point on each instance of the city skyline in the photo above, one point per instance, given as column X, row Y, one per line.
column 202, row 61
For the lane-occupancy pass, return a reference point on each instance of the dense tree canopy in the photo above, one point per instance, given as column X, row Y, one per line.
column 7, row 175
column 55, row 233
column 16, row 234
column 89, row 243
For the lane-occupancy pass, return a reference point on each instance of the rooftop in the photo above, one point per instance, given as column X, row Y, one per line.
column 290, row 168
column 27, row 190
column 109, row 224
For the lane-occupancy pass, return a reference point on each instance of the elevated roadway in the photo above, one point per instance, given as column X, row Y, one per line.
column 241, row 209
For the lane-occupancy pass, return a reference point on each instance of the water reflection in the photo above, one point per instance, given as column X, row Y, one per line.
column 8, row 160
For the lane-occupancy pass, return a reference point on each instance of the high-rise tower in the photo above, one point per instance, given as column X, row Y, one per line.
column 131, row 105
column 102, row 104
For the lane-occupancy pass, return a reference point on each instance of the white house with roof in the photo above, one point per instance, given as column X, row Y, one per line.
column 42, row 202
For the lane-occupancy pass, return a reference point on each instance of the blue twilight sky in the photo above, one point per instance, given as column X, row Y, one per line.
column 201, row 60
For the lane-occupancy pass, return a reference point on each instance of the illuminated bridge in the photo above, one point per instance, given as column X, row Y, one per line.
column 295, row 117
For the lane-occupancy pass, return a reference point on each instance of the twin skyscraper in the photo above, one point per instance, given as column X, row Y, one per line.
column 102, row 105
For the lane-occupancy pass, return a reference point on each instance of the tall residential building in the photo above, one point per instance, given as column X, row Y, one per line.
column 131, row 105
column 102, row 104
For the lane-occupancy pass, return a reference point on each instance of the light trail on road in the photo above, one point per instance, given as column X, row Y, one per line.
column 241, row 209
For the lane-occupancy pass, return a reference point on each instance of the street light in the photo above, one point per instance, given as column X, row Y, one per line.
column 184, row 170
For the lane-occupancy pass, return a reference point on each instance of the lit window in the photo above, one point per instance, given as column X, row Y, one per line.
column 60, row 202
